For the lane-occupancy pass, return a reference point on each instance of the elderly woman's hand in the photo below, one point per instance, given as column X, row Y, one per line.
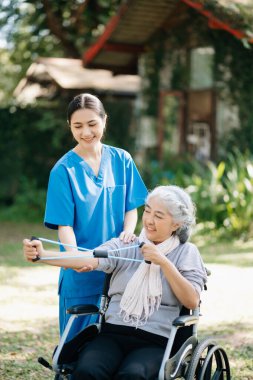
column 151, row 253
column 32, row 249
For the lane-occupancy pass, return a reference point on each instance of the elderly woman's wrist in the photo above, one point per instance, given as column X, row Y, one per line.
column 164, row 262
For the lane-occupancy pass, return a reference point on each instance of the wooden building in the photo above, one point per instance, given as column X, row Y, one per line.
column 171, row 45
column 49, row 78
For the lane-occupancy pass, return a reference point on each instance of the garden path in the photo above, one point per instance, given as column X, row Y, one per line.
column 229, row 295
column 30, row 295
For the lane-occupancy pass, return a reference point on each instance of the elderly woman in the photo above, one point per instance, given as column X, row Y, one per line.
column 145, row 298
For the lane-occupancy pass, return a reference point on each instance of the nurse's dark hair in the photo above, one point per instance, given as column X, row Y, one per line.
column 85, row 101
column 180, row 206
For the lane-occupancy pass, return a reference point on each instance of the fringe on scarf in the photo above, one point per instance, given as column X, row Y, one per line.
column 143, row 293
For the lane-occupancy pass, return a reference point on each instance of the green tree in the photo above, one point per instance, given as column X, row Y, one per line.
column 51, row 28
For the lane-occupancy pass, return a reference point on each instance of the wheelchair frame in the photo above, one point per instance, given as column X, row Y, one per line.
column 184, row 357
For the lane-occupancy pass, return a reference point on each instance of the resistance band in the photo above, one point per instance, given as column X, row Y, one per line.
column 95, row 253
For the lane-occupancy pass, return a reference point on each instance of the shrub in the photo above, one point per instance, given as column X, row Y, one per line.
column 222, row 192
column 28, row 203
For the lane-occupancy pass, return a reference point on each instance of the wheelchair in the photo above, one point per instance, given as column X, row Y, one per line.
column 185, row 357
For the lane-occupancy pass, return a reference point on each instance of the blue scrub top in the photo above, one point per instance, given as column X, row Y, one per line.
column 94, row 206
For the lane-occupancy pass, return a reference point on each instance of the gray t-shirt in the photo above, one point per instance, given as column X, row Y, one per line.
column 186, row 259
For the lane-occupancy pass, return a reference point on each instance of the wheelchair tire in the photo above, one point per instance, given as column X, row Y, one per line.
column 209, row 362
column 62, row 377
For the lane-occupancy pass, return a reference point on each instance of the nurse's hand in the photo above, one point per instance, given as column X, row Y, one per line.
column 127, row 237
column 86, row 268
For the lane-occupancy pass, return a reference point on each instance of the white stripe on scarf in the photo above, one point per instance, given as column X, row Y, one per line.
column 143, row 292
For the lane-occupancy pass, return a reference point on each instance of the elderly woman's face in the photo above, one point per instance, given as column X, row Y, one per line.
column 157, row 222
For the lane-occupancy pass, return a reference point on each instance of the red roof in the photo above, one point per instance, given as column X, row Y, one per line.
column 128, row 33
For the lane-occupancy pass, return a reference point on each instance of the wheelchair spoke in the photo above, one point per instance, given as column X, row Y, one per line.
column 209, row 362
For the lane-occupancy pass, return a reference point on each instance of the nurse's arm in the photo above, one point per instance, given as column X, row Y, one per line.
column 130, row 222
column 66, row 235
column 34, row 249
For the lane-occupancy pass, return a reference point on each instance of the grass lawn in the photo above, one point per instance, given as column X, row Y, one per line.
column 28, row 314
column 231, row 252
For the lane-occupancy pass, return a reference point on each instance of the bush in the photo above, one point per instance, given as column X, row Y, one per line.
column 34, row 138
column 238, row 185
column 222, row 192
column 28, row 203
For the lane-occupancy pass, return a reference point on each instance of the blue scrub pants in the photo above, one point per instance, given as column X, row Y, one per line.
column 81, row 322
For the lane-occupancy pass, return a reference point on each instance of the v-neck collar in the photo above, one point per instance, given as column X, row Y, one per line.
column 99, row 178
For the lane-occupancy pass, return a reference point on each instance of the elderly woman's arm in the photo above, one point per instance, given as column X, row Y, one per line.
column 181, row 287
column 34, row 249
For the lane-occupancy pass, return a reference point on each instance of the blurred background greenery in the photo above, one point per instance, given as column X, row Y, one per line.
column 34, row 136
column 194, row 63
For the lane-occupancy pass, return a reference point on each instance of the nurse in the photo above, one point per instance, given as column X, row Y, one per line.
column 93, row 194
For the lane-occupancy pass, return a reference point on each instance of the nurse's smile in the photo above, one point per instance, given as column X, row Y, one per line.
column 88, row 140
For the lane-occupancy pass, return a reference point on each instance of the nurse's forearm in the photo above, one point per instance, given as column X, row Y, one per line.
column 130, row 220
column 61, row 261
column 67, row 236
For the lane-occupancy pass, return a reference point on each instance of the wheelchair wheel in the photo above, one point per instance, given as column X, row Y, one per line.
column 209, row 362
column 62, row 377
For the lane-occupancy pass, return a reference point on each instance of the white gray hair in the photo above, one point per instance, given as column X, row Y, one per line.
column 179, row 205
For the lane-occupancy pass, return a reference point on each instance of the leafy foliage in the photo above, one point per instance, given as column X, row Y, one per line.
column 30, row 149
column 28, row 203
column 8, row 76
column 59, row 28
column 119, row 123
column 34, row 139
column 153, row 64
column 238, row 197
column 222, row 192
column 238, row 13
column 233, row 70
column 43, row 25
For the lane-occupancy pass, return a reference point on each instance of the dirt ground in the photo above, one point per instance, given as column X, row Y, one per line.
column 30, row 294
column 28, row 299
column 27, row 296
column 229, row 295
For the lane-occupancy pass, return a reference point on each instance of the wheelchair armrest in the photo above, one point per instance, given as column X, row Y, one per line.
column 185, row 320
column 83, row 309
